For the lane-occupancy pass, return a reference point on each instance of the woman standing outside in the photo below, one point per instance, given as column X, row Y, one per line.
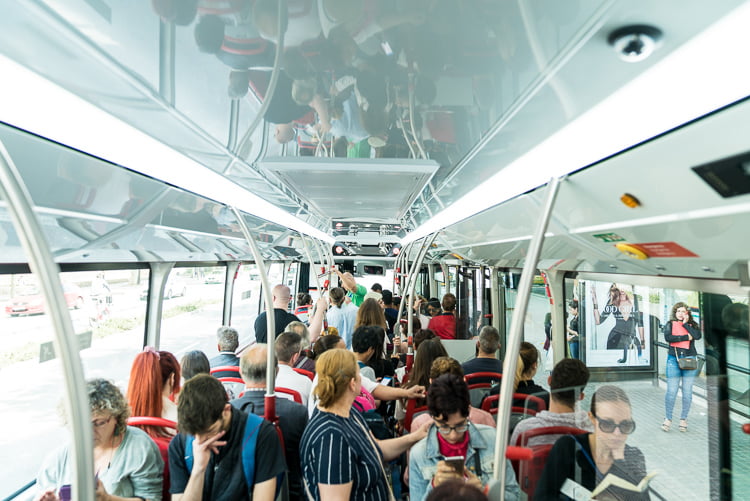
column 573, row 337
column 680, row 332
column 340, row 457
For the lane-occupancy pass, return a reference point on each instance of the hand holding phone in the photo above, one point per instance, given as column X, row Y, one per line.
column 456, row 462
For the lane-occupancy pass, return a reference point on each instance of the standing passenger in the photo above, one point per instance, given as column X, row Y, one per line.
column 206, row 458
column 444, row 324
column 281, row 297
column 342, row 315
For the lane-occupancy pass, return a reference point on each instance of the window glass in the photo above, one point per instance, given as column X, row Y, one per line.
column 538, row 321
column 245, row 300
column 192, row 310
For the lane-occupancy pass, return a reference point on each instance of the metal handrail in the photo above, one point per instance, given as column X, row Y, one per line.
column 19, row 491
column 516, row 333
column 20, row 207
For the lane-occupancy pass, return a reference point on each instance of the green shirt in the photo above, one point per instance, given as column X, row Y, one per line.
column 359, row 296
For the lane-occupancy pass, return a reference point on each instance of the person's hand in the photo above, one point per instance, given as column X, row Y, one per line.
column 618, row 452
column 321, row 303
column 444, row 473
column 473, row 479
column 421, row 432
column 101, row 492
column 415, row 392
column 323, row 127
column 48, row 495
column 202, row 450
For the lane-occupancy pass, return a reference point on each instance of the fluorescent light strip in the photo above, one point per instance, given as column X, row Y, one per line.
column 35, row 104
column 727, row 210
column 704, row 74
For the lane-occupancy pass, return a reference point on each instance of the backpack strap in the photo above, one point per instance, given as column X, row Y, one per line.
column 249, row 442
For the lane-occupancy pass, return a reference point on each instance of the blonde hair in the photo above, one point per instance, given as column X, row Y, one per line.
column 528, row 355
column 335, row 369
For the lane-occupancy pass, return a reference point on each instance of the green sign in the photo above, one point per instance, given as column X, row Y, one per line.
column 609, row 237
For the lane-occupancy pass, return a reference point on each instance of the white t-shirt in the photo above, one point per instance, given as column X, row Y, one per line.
column 287, row 378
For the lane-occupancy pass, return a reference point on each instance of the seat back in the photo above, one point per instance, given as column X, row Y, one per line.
column 530, row 404
column 309, row 374
column 480, row 384
column 161, row 442
column 229, row 375
column 411, row 411
column 288, row 391
column 528, row 472
column 226, row 371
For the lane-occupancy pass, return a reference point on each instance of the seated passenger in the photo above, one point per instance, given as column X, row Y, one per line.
column 292, row 416
column 288, row 347
column 444, row 324
column 126, row 460
column 305, row 360
column 428, row 351
column 448, row 365
column 528, row 362
column 567, row 381
column 487, row 346
column 453, row 435
column 206, row 458
column 193, row 363
column 456, row 489
column 340, row 457
column 364, row 343
column 591, row 456
column 228, row 339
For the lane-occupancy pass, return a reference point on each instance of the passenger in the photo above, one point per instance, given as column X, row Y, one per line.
column 573, row 337
column 448, row 365
column 444, row 324
column 528, row 363
column 292, row 416
column 325, row 343
column 340, row 457
column 315, row 322
column 193, row 363
column 433, row 307
column 376, row 287
column 364, row 344
column 382, row 365
column 567, row 381
column 342, row 315
column 456, row 489
column 154, row 382
column 370, row 312
column 454, row 435
column 304, row 305
column 287, row 348
column 220, row 436
column 126, row 460
column 487, row 346
column 680, row 332
column 281, row 297
column 400, row 339
column 356, row 291
column 428, row 351
column 591, row 456
column 390, row 311
column 228, row 340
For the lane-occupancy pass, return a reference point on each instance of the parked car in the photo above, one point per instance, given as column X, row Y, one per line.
column 176, row 286
column 31, row 302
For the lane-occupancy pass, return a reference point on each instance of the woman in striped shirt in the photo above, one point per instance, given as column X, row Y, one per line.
column 340, row 457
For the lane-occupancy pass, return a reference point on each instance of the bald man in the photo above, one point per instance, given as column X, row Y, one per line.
column 281, row 297
column 292, row 416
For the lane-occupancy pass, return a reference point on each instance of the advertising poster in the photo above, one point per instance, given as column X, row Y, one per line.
column 617, row 328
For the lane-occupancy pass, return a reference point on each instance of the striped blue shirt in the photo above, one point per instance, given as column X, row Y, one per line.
column 337, row 450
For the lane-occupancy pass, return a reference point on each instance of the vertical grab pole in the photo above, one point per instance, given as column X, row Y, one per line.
column 516, row 332
column 413, row 285
column 403, row 281
column 270, row 398
column 43, row 265
column 310, row 259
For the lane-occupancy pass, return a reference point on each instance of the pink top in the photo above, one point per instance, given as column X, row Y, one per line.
column 476, row 416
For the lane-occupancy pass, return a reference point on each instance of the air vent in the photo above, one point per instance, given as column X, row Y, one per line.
column 729, row 177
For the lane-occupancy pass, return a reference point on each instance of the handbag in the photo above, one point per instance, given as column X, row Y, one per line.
column 686, row 362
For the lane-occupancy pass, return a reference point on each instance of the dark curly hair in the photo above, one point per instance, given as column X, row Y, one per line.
column 447, row 395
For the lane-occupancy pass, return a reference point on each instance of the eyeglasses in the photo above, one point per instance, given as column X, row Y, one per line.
column 608, row 426
column 444, row 429
column 98, row 423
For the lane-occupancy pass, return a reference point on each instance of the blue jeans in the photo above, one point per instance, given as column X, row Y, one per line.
column 574, row 349
column 674, row 375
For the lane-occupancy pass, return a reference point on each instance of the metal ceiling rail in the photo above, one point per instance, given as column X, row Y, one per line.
column 42, row 263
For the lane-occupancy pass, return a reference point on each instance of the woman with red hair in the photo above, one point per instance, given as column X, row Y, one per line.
column 153, row 387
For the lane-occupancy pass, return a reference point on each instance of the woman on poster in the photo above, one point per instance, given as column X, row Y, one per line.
column 623, row 306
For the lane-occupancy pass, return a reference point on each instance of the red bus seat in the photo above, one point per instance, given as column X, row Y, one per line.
column 288, row 391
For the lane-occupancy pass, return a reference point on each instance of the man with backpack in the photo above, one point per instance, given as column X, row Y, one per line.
column 221, row 453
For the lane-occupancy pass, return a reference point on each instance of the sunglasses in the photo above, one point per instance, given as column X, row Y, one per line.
column 608, row 426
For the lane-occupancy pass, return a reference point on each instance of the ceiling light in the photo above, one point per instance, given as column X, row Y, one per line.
column 670, row 93
column 33, row 103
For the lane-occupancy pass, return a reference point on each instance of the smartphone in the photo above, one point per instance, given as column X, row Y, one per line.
column 456, row 462
column 64, row 493
column 386, row 381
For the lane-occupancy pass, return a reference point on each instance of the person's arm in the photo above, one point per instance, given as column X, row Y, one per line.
column 671, row 338
column 389, row 393
column 316, row 322
column 559, row 466
column 321, row 108
column 394, row 447
column 695, row 332
column 265, row 491
column 337, row 492
column 347, row 281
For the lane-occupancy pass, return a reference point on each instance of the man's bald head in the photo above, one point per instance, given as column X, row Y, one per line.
column 281, row 296
column 253, row 364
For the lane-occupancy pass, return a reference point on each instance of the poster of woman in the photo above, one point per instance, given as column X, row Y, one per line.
column 616, row 334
